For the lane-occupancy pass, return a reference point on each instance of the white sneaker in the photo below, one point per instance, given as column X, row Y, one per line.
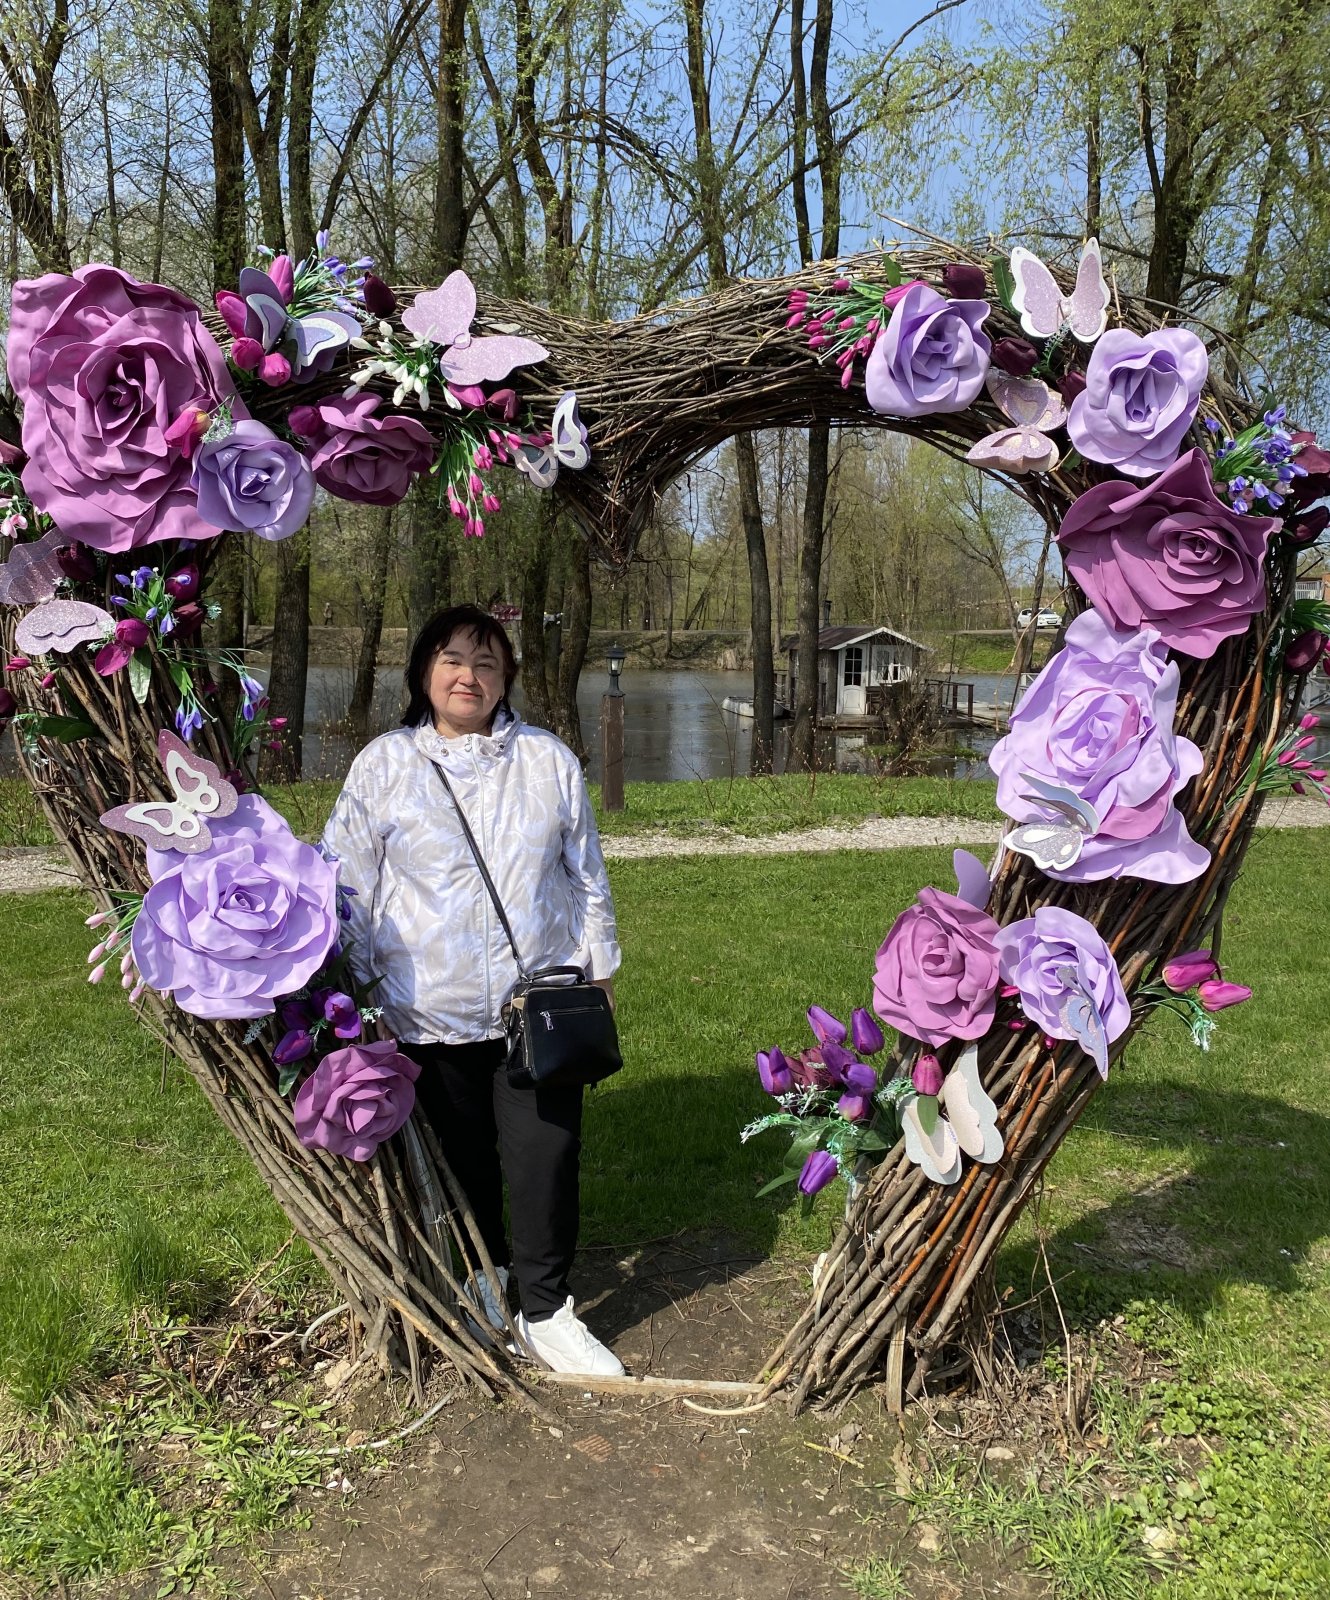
column 493, row 1311
column 566, row 1345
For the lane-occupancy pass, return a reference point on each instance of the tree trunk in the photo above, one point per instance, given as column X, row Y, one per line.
column 759, row 584
column 371, row 625
column 449, row 235
column 803, row 733
column 289, row 675
column 574, row 637
column 429, row 587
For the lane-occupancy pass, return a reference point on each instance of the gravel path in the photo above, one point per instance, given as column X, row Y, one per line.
column 28, row 871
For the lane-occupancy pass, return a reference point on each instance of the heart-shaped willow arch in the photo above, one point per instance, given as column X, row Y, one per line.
column 907, row 1269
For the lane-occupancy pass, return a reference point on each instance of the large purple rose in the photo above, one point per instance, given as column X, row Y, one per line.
column 930, row 357
column 231, row 929
column 1098, row 721
column 104, row 365
column 254, row 482
column 1140, row 397
column 1034, row 952
column 356, row 1098
column 360, row 456
column 1170, row 556
column 936, row 976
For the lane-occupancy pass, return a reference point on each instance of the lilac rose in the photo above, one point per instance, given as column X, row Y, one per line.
column 251, row 918
column 360, row 456
column 1032, row 955
column 936, row 976
column 104, row 365
column 1098, row 721
column 930, row 357
column 254, row 482
column 1140, row 397
column 356, row 1098
column 1169, row 556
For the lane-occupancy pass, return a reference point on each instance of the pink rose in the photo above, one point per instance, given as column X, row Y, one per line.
column 1171, row 556
column 361, row 456
column 356, row 1098
column 104, row 365
column 937, row 970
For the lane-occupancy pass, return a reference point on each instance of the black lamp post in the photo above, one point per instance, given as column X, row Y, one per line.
column 611, row 733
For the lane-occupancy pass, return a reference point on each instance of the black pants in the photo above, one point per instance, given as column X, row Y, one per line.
column 490, row 1131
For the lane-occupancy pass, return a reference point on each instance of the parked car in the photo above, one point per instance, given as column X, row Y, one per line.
column 1045, row 619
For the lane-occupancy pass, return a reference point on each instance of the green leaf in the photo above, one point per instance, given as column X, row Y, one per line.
column 1003, row 282
column 777, row 1183
column 927, row 1108
column 1070, row 461
column 801, row 1148
column 286, row 1079
column 892, row 268
column 179, row 675
column 65, row 729
column 140, row 675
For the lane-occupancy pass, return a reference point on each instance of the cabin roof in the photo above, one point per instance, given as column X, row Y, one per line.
column 849, row 633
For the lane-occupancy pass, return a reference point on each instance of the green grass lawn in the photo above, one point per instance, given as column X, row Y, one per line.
column 1193, row 1200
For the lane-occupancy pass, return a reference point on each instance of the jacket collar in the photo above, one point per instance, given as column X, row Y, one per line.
column 486, row 747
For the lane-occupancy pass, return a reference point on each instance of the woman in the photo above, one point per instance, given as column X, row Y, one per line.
column 421, row 917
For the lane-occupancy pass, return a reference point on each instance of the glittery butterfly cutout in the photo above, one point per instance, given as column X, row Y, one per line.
column 32, row 571
column 1045, row 311
column 444, row 316
column 568, row 447
column 60, row 626
column 930, row 1140
column 1034, row 408
column 1053, row 846
column 181, row 824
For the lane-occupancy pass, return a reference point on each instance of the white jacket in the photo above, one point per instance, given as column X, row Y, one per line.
column 421, row 916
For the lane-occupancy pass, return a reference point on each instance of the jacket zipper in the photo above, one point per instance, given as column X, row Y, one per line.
column 485, row 899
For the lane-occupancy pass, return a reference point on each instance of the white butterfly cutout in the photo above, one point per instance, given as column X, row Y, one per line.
column 1035, row 409
column 568, row 447
column 969, row 1128
column 1054, row 846
column 1080, row 1013
column 444, row 316
column 181, row 824
column 1045, row 311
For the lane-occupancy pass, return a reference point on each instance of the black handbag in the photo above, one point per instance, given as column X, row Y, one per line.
column 560, row 1028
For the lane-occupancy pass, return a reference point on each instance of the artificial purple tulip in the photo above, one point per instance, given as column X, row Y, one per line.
column 1310, row 526
column 1018, row 357
column 773, row 1070
column 837, row 1061
column 1305, row 651
column 76, row 562
column 341, row 1010
column 291, row 1047
column 963, row 281
column 131, row 631
column 183, row 584
column 378, row 298
column 188, row 619
column 818, row 1171
column 859, row 1078
column 855, row 1107
column 1218, row 995
column 1071, row 384
column 927, row 1075
column 8, row 706
column 865, row 1035
column 1185, row 972
column 825, row 1027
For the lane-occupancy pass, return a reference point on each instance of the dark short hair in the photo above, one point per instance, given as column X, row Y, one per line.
column 434, row 636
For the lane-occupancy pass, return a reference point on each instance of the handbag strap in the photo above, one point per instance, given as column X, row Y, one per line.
column 522, row 973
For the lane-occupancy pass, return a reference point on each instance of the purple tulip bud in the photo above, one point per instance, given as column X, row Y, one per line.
column 97, row 973
column 865, row 1035
column 1015, row 356
column 183, row 584
column 341, row 1010
column 76, row 562
column 379, row 299
column 1071, row 384
column 837, row 1061
column 1310, row 525
column 963, row 281
column 1218, row 995
column 818, row 1171
column 774, row 1072
column 1305, row 651
column 188, row 619
column 293, row 1046
column 1185, row 972
column 927, row 1075
column 855, row 1107
column 8, row 706
column 860, row 1078
column 825, row 1027
column 131, row 632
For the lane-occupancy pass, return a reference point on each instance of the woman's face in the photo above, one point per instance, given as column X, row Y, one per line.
column 464, row 685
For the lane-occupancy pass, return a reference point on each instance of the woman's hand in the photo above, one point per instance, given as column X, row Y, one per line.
column 607, row 984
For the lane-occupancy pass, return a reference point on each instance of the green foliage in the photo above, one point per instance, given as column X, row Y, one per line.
column 47, row 1332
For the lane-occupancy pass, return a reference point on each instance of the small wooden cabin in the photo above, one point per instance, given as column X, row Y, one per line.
column 851, row 660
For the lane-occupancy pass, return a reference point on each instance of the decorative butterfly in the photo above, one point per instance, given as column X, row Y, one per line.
column 567, row 447
column 444, row 317
column 1045, row 311
column 970, row 1111
column 61, row 626
column 930, row 1140
column 181, row 824
column 316, row 337
column 1035, row 409
column 32, row 571
column 1054, row 846
column 1081, row 1015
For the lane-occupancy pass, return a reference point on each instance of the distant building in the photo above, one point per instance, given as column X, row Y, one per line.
column 851, row 661
column 1315, row 587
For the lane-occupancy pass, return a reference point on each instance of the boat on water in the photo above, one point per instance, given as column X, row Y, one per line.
column 744, row 708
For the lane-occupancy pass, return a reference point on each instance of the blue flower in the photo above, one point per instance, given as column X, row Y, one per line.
column 188, row 722
column 141, row 577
